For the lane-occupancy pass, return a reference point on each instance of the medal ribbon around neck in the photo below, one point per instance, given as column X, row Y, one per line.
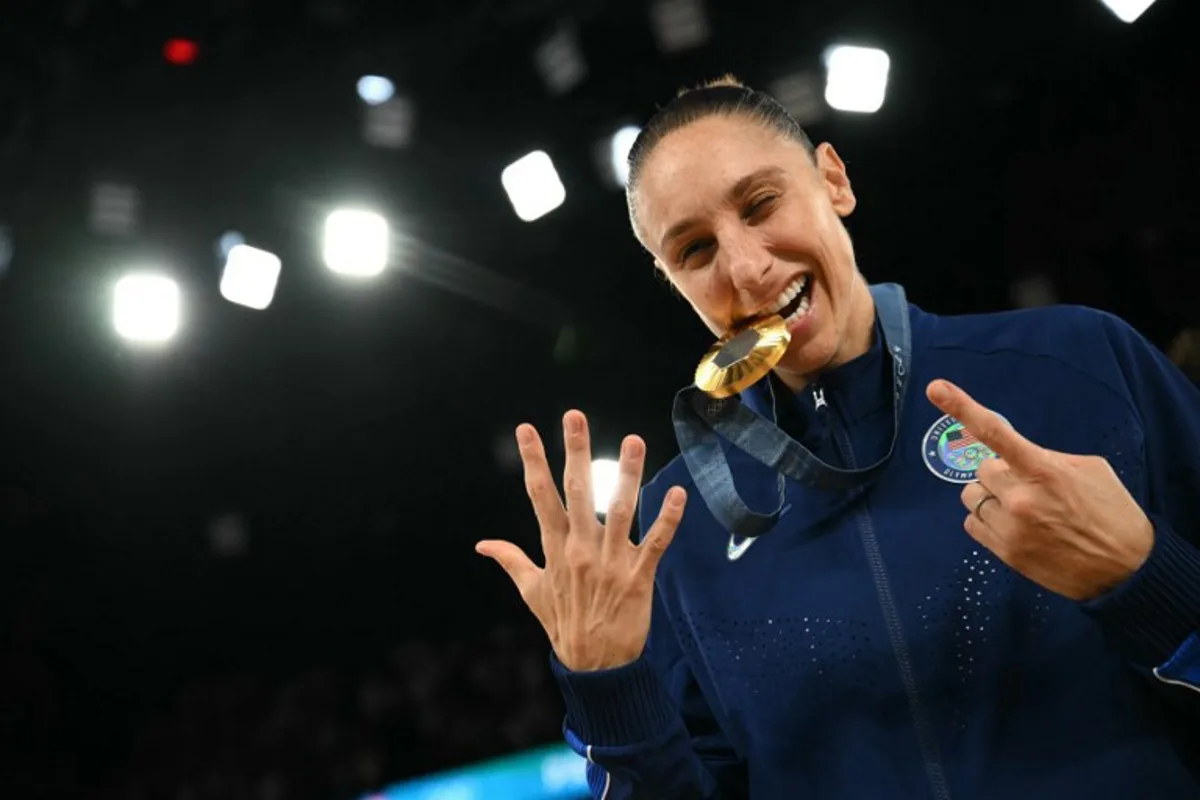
column 701, row 419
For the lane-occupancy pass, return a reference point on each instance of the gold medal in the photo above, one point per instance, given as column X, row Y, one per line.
column 743, row 357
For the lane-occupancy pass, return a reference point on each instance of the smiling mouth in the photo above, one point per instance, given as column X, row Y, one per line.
column 792, row 304
column 800, row 299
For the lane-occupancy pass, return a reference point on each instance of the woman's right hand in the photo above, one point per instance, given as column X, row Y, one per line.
column 595, row 593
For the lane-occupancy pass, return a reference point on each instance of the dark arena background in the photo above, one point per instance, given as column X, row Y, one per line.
column 238, row 559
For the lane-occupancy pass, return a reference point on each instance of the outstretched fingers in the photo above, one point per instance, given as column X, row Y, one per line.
column 619, row 518
column 662, row 532
column 577, row 475
column 542, row 491
column 523, row 572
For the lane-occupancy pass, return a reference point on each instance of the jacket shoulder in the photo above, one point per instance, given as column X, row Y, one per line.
column 1065, row 332
column 1094, row 348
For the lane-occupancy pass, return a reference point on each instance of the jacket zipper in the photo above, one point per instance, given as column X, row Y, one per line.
column 934, row 770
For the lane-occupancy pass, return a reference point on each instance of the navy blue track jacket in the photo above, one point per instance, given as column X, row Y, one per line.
column 864, row 646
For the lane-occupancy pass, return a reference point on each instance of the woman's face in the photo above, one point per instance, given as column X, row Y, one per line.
column 745, row 222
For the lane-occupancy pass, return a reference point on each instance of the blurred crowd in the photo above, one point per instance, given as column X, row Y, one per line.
column 337, row 733
column 325, row 732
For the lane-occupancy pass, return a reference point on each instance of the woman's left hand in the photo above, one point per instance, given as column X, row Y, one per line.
column 1064, row 521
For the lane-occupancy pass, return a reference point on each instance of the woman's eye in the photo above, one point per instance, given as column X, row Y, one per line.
column 692, row 249
column 761, row 204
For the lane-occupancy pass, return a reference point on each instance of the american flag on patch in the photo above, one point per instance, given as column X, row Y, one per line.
column 960, row 438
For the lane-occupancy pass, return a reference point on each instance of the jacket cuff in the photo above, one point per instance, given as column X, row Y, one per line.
column 615, row 707
column 1158, row 607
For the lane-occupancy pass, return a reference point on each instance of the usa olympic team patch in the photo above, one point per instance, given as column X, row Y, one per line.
column 952, row 452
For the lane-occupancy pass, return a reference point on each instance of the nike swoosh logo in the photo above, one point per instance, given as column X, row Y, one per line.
column 736, row 549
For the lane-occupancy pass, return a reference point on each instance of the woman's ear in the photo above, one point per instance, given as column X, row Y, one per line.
column 836, row 180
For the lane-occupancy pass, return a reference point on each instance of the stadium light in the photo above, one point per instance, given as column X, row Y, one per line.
column 622, row 142
column 533, row 186
column 181, row 52
column 1128, row 10
column 605, row 472
column 375, row 89
column 146, row 307
column 856, row 78
column 357, row 243
column 250, row 276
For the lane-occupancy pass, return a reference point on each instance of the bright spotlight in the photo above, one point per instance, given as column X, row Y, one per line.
column 357, row 243
column 146, row 307
column 250, row 276
column 856, row 78
column 622, row 142
column 375, row 89
column 605, row 473
column 1128, row 10
column 533, row 186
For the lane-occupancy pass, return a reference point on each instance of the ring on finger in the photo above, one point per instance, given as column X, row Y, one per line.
column 982, row 500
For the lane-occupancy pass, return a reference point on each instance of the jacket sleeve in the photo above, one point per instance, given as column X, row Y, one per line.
column 1154, row 617
column 646, row 730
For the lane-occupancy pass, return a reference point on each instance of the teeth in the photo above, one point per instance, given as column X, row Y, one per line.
column 789, row 294
column 800, row 311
